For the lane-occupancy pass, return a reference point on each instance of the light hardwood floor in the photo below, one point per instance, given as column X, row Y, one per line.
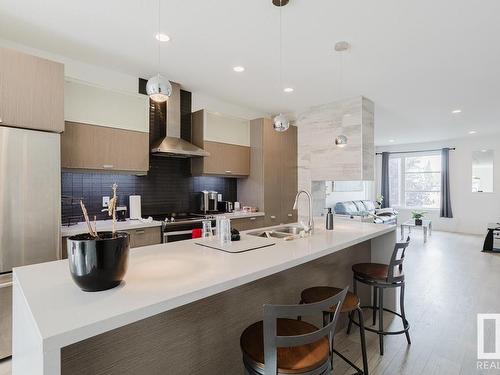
column 449, row 281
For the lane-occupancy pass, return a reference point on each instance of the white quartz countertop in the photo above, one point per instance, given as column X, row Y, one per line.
column 107, row 225
column 163, row 277
column 242, row 214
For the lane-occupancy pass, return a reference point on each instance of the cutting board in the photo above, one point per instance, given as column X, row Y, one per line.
column 246, row 243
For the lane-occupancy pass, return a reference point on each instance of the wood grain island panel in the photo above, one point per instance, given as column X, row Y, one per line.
column 203, row 337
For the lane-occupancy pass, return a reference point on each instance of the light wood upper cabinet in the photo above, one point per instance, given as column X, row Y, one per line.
column 93, row 147
column 225, row 159
column 31, row 92
column 272, row 184
column 226, row 139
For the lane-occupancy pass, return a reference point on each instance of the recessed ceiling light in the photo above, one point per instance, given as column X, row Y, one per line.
column 162, row 37
column 472, row 132
column 455, row 111
column 391, row 141
column 342, row 46
column 239, row 69
column 288, row 89
column 484, row 150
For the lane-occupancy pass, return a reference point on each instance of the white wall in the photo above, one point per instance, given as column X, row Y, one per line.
column 201, row 100
column 471, row 211
column 118, row 81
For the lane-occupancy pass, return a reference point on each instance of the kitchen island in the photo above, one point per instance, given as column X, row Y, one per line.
column 182, row 306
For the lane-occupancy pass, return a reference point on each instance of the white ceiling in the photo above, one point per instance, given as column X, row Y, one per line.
column 417, row 60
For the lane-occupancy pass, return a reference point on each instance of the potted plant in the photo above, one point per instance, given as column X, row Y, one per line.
column 417, row 216
column 379, row 200
column 98, row 260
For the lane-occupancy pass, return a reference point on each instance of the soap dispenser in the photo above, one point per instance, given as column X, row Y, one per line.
column 329, row 220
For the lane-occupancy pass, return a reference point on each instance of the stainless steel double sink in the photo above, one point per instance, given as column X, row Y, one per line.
column 283, row 232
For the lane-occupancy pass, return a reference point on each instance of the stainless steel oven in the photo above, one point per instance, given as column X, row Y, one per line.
column 179, row 235
column 181, row 227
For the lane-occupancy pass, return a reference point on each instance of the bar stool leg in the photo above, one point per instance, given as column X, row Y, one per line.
column 363, row 341
column 402, row 308
column 350, row 315
column 349, row 326
column 374, row 309
column 381, row 320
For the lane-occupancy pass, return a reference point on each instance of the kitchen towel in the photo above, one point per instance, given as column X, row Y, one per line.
column 135, row 207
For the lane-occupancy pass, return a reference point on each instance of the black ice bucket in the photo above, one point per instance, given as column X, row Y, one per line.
column 98, row 264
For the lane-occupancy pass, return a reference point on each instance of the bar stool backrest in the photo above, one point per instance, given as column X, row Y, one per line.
column 397, row 259
column 271, row 339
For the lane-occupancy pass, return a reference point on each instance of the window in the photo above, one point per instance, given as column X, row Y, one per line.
column 415, row 180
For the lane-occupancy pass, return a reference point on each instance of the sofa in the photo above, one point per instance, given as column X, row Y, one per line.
column 366, row 211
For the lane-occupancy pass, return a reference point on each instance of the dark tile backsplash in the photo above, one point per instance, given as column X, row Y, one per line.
column 167, row 188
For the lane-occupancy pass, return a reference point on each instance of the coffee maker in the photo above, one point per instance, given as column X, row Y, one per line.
column 208, row 202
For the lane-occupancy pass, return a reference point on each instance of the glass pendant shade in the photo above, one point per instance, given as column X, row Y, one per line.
column 341, row 141
column 158, row 88
column 281, row 123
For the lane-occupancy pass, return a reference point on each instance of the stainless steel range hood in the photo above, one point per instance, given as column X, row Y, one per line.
column 172, row 145
column 177, row 148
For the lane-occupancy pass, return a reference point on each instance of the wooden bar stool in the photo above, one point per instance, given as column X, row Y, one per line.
column 382, row 276
column 281, row 345
column 351, row 304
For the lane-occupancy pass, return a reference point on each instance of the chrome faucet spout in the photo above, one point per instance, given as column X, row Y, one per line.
column 310, row 224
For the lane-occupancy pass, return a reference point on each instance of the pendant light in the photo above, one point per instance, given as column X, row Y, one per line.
column 158, row 87
column 341, row 47
column 281, row 122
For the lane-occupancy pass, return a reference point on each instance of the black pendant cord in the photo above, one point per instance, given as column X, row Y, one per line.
column 159, row 36
column 281, row 53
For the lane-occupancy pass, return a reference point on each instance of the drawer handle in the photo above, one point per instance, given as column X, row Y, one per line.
column 253, row 218
column 108, row 166
column 229, row 172
column 140, row 232
column 290, row 215
column 273, row 217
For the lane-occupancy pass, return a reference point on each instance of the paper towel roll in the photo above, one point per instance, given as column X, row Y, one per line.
column 135, row 207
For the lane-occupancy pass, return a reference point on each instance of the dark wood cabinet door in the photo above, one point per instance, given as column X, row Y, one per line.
column 248, row 223
column 289, row 180
column 273, row 173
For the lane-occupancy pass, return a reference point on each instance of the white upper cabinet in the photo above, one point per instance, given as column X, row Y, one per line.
column 89, row 104
column 226, row 129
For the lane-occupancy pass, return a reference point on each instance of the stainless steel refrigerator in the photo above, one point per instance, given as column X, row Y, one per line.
column 30, row 210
